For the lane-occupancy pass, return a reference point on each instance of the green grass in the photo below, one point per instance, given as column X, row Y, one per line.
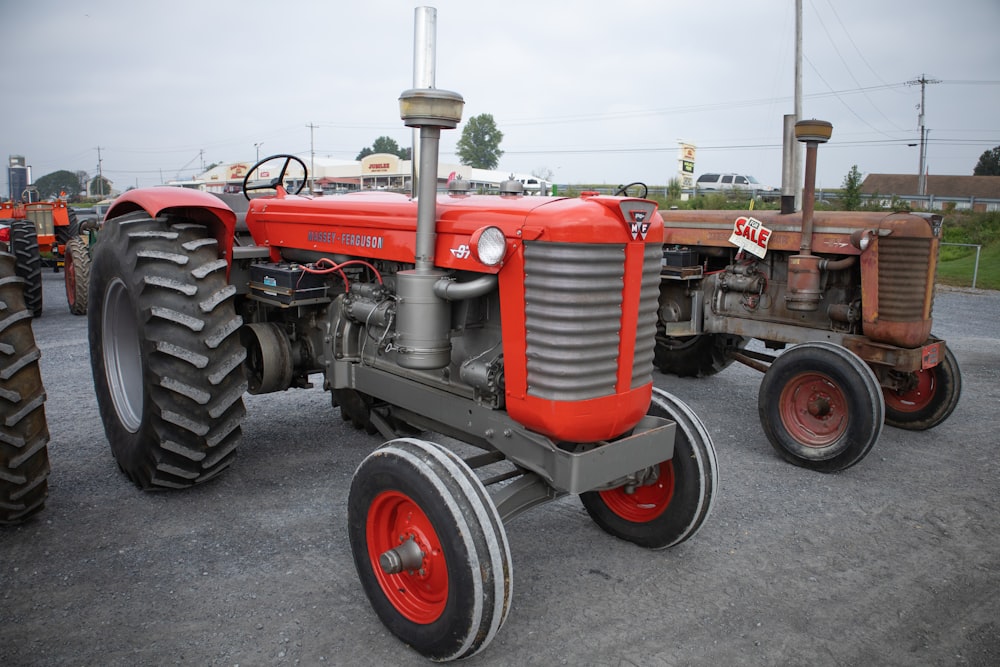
column 956, row 264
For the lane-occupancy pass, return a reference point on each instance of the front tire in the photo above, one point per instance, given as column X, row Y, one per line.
column 932, row 398
column 448, row 599
column 24, row 245
column 674, row 506
column 696, row 356
column 821, row 407
column 24, row 433
column 165, row 350
column 76, row 274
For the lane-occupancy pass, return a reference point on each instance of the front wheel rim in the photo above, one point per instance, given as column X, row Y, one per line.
column 122, row 355
column 915, row 399
column 814, row 410
column 420, row 595
column 642, row 504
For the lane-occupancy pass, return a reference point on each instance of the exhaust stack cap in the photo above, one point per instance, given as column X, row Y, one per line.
column 817, row 131
column 430, row 107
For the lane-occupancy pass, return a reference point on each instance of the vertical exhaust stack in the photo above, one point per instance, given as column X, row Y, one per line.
column 424, row 73
column 804, row 291
column 423, row 319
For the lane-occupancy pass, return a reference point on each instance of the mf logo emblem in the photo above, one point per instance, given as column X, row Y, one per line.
column 461, row 252
column 638, row 227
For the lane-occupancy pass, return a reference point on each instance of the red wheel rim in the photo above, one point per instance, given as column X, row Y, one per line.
column 813, row 409
column 419, row 595
column 646, row 502
column 915, row 399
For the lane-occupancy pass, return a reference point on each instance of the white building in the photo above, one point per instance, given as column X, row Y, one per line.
column 380, row 171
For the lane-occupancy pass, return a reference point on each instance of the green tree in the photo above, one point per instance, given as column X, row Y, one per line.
column 52, row 185
column 989, row 163
column 851, row 197
column 100, row 186
column 384, row 144
column 479, row 145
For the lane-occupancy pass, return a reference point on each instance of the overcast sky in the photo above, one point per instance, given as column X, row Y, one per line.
column 591, row 90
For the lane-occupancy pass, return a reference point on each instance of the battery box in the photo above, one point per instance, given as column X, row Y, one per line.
column 287, row 284
column 680, row 257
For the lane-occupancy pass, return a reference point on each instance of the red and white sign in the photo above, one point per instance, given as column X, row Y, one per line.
column 750, row 235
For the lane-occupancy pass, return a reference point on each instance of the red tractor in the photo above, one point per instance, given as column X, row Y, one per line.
column 43, row 233
column 851, row 292
column 522, row 326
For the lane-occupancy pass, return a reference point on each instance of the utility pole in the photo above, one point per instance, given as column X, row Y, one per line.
column 312, row 158
column 100, row 174
column 797, row 147
column 922, row 175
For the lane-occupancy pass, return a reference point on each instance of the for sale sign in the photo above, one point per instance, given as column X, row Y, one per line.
column 750, row 235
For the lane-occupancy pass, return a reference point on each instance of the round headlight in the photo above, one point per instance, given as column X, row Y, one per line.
column 862, row 238
column 489, row 245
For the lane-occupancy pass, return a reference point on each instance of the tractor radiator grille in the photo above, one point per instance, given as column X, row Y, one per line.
column 905, row 266
column 573, row 312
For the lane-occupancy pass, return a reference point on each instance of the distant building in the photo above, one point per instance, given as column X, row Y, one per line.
column 18, row 177
column 979, row 193
column 380, row 171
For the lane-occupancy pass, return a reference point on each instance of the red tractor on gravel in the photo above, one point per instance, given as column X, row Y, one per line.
column 851, row 292
column 41, row 233
column 522, row 326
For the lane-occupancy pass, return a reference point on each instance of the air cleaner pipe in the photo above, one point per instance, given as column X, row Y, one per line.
column 424, row 76
column 448, row 289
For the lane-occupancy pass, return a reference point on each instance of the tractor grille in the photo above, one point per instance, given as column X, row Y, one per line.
column 573, row 312
column 905, row 266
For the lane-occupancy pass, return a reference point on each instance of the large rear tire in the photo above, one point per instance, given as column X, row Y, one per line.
column 430, row 549
column 24, row 433
column 165, row 350
column 76, row 274
column 696, row 356
column 821, row 407
column 24, row 245
column 671, row 508
column 932, row 398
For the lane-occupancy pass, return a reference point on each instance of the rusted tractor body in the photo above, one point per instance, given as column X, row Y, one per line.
column 841, row 288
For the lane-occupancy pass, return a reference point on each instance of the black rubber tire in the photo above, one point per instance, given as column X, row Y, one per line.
column 931, row 402
column 696, row 356
column 675, row 507
column 445, row 507
column 821, row 407
column 24, row 245
column 64, row 233
column 24, row 433
column 165, row 350
column 76, row 274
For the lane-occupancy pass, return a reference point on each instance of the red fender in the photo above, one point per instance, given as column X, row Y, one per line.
column 195, row 205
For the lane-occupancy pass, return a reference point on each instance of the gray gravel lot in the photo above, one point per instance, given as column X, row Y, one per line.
column 893, row 562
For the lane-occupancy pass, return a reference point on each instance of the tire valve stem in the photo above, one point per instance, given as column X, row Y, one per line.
column 407, row 556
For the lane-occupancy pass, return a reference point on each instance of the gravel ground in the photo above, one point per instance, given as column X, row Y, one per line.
column 893, row 562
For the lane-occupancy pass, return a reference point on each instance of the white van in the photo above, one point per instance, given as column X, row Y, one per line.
column 730, row 182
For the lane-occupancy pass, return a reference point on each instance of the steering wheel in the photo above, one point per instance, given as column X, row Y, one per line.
column 273, row 183
column 622, row 190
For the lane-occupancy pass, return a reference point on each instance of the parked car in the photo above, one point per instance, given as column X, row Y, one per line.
column 730, row 182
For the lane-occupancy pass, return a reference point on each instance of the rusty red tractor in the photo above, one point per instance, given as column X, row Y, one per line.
column 850, row 292
column 522, row 326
